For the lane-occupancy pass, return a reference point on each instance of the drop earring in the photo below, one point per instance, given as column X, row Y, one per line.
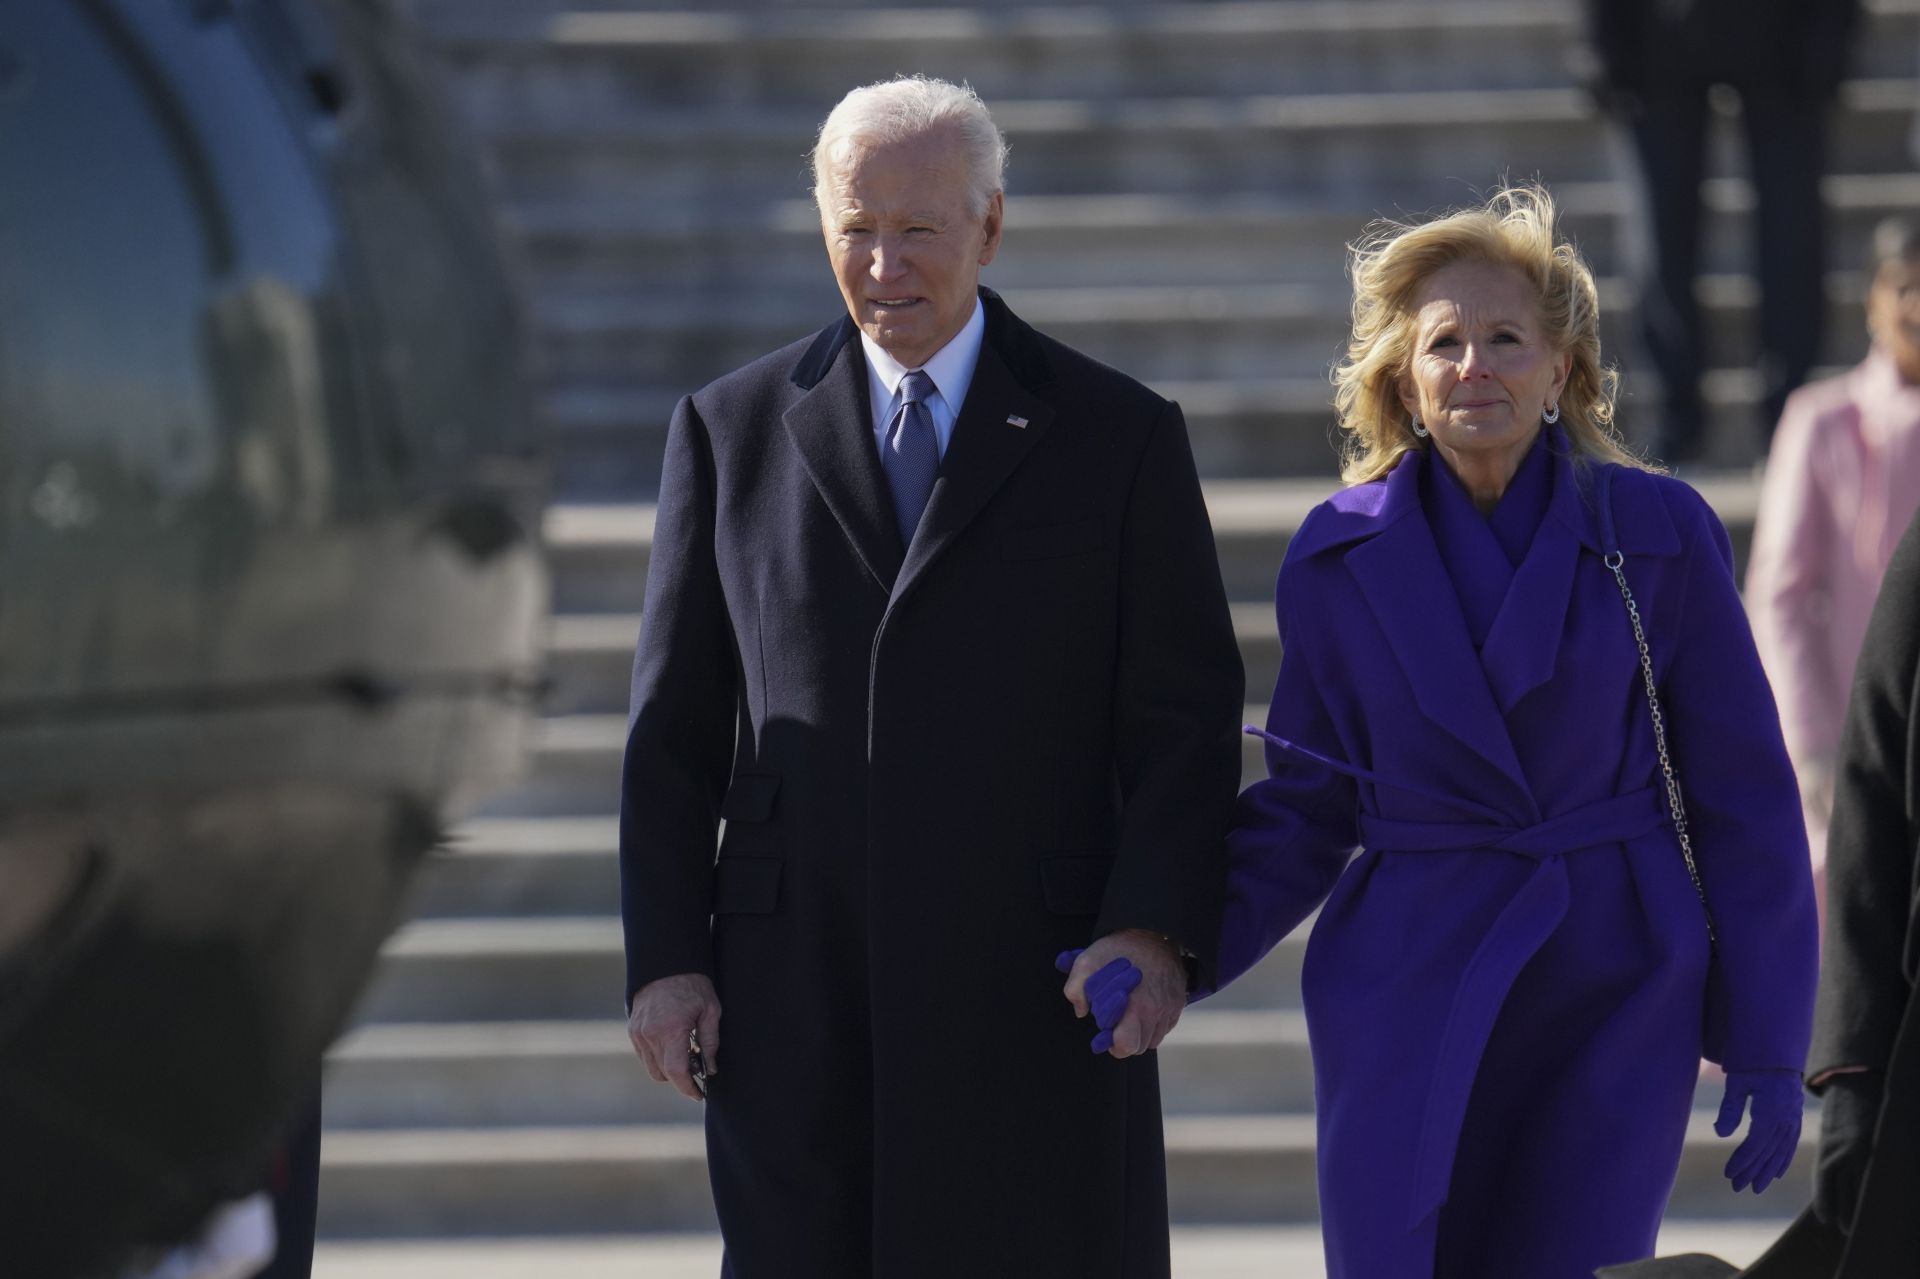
column 1418, row 429
column 1552, row 414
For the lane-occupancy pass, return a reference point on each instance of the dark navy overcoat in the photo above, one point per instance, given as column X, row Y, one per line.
column 938, row 764
column 1509, row 989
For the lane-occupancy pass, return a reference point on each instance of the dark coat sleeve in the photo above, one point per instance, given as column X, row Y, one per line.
column 1177, row 701
column 1743, row 810
column 1868, row 967
column 680, row 725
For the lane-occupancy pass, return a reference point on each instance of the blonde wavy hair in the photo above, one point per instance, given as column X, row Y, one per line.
column 1390, row 264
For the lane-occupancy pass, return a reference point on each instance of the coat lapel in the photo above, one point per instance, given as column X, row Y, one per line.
column 831, row 427
column 1000, row 422
column 1405, row 584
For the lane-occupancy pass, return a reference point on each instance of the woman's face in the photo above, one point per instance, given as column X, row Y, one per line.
column 1893, row 314
column 1482, row 371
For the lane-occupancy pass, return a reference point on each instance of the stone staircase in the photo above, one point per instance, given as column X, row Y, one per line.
column 1183, row 178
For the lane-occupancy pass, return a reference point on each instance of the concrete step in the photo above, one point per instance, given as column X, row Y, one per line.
column 600, row 551
column 1191, row 239
column 576, row 771
column 590, row 656
column 584, row 1073
column 1228, row 1169
column 608, row 441
column 1156, row 333
column 586, row 65
column 520, row 68
column 449, row 971
column 544, row 866
column 1372, row 149
column 1199, row 1252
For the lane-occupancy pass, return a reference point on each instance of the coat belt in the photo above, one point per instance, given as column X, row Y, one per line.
column 1522, row 927
column 1605, row 821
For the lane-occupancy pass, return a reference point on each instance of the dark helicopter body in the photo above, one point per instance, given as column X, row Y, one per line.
column 271, row 593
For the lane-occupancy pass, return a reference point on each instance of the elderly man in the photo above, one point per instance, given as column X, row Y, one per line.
column 934, row 625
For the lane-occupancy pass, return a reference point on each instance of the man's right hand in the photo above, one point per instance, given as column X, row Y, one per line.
column 666, row 1013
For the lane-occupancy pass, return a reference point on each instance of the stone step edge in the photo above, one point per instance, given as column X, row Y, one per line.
column 621, row 223
column 690, row 31
column 1237, row 508
column 429, row 1148
column 1034, row 118
column 1153, row 305
column 481, row 1040
column 576, row 412
column 596, row 733
column 602, row 634
column 509, row 936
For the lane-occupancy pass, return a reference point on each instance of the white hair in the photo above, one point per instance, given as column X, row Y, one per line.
column 910, row 107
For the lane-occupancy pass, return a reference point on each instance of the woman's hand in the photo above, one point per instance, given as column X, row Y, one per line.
column 1774, row 1133
column 1106, row 994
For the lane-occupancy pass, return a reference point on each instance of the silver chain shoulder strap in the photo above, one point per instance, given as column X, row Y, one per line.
column 1616, row 564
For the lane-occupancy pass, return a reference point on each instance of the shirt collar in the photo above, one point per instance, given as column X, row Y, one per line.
column 951, row 367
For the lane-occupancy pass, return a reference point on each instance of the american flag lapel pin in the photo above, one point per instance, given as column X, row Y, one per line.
column 1014, row 419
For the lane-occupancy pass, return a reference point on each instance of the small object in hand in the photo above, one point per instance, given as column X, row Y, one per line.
column 1106, row 993
column 696, row 1062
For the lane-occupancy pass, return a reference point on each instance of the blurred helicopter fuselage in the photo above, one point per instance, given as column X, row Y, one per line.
column 271, row 588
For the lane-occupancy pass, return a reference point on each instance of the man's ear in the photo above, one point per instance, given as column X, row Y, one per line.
column 996, row 214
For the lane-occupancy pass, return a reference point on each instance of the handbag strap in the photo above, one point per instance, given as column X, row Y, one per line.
column 1616, row 561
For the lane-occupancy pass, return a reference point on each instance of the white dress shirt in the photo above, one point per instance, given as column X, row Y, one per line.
column 951, row 369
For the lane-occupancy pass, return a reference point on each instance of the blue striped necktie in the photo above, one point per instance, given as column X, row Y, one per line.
column 912, row 454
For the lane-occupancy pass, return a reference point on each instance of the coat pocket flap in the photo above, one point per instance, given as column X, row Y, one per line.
column 746, row 885
column 750, row 797
column 1075, row 883
column 1051, row 540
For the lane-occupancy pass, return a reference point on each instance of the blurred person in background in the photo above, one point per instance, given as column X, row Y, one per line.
column 1842, row 483
column 1653, row 64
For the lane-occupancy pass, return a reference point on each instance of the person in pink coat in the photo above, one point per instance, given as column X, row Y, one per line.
column 1842, row 483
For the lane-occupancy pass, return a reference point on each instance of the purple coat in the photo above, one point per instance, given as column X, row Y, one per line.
column 1508, row 990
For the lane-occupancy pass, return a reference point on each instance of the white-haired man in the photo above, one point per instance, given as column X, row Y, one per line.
column 934, row 624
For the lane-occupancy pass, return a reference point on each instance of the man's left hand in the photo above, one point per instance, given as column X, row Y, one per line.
column 1154, row 1006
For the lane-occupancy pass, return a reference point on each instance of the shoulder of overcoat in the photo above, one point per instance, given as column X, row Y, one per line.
column 755, row 387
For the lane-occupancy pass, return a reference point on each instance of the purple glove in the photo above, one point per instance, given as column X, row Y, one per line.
column 1774, row 1134
column 1107, row 992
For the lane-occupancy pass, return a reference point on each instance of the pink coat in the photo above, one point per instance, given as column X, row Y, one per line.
column 1842, row 482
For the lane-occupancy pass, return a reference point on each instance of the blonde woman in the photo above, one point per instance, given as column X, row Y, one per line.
column 1509, row 989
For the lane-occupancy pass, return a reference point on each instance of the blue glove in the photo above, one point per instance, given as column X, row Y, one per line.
column 1107, row 992
column 1774, row 1134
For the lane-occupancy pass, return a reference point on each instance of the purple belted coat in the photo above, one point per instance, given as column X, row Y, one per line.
column 1509, row 988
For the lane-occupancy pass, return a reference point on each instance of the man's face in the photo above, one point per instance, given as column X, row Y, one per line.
column 904, row 240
